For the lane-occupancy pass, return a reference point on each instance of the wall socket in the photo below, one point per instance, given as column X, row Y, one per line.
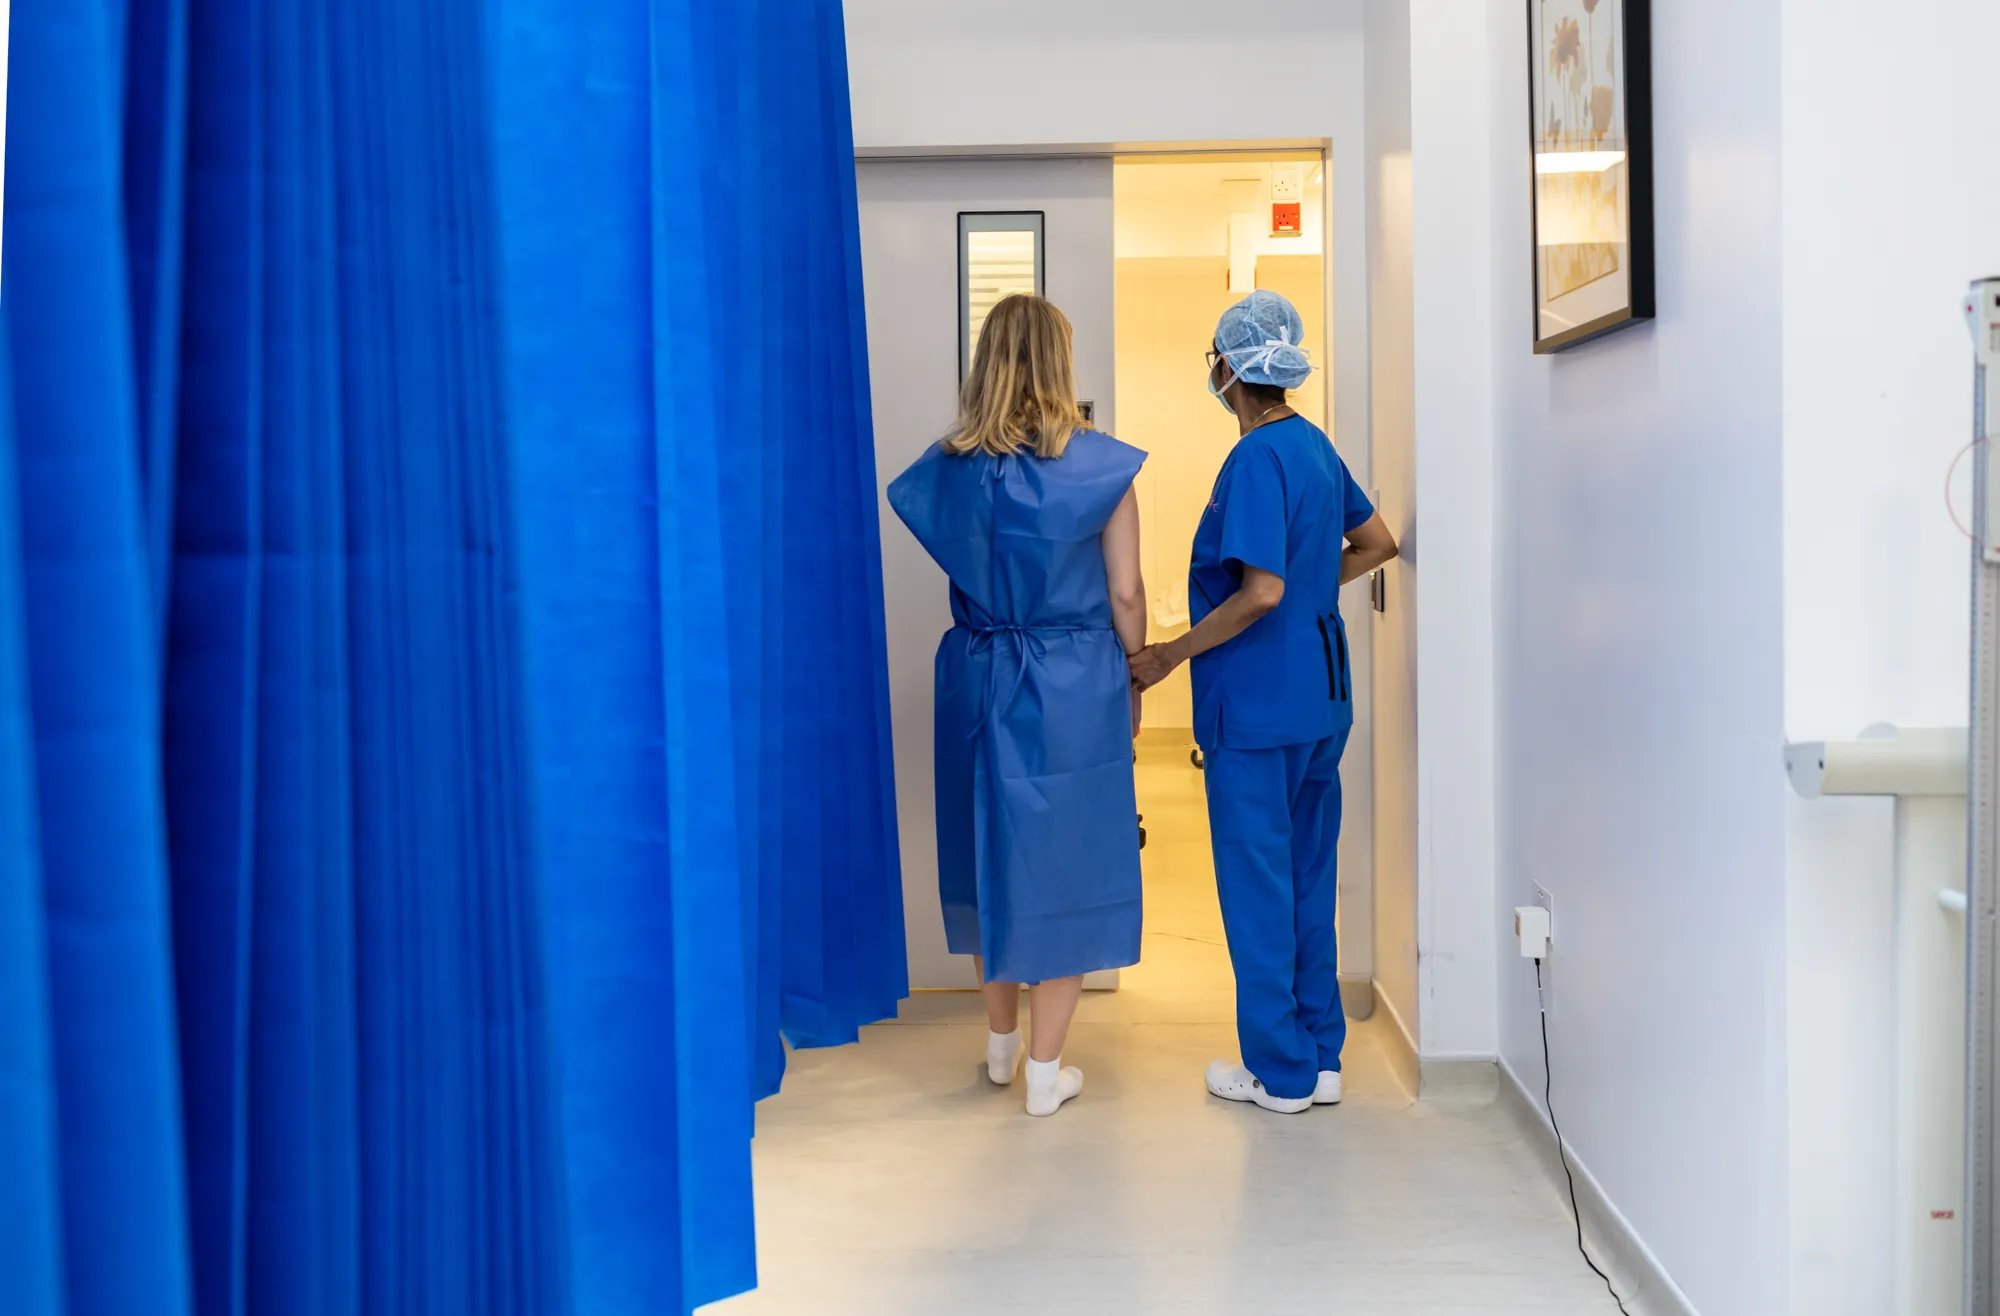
column 1548, row 902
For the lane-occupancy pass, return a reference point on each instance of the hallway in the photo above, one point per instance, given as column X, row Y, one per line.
column 893, row 1180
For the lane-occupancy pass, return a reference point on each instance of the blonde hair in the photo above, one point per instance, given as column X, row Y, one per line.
column 1020, row 395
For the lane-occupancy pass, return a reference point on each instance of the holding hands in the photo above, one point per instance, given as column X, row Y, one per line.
column 1153, row 664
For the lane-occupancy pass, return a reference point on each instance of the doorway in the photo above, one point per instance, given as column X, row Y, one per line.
column 1193, row 234
column 1143, row 252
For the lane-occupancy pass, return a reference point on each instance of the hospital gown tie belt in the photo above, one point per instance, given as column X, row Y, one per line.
column 1031, row 642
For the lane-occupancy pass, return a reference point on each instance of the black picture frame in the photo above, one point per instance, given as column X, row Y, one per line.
column 1608, row 285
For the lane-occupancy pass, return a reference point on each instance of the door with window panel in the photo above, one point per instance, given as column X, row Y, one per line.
column 942, row 241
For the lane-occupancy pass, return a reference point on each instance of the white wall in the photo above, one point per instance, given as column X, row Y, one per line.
column 1639, row 654
column 1707, row 533
column 1453, row 148
column 957, row 73
column 1430, row 147
column 1886, row 217
column 1392, row 419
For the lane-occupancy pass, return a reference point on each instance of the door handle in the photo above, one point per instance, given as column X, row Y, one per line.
column 1378, row 584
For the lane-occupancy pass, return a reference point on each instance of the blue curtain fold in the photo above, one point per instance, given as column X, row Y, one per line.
column 88, row 633
column 212, row 674
column 443, row 711
column 31, row 1225
column 780, row 272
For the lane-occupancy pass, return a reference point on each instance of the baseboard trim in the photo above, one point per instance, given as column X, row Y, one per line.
column 1474, row 1078
column 1614, row 1244
column 1357, row 998
column 1401, row 1047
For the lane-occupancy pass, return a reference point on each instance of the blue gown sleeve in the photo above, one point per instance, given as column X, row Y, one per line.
column 913, row 494
column 1252, row 498
column 1112, row 468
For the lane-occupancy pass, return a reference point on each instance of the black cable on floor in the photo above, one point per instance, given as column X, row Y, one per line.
column 1548, row 1090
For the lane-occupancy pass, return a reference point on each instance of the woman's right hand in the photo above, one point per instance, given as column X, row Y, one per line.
column 1137, row 697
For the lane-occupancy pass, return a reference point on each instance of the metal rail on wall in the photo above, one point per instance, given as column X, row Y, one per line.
column 1982, row 1140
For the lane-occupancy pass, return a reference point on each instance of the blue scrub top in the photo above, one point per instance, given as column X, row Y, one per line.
column 1283, row 503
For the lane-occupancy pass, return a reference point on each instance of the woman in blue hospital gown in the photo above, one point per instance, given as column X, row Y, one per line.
column 1032, row 517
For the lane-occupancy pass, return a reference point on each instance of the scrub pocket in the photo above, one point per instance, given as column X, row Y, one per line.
column 1333, row 639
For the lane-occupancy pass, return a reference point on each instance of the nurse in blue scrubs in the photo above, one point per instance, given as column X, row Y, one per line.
column 1273, row 703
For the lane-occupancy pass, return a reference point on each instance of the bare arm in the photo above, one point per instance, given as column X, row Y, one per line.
column 1122, row 572
column 1255, row 598
column 1369, row 545
column 1128, row 583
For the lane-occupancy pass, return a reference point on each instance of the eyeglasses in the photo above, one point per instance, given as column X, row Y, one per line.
column 1211, row 356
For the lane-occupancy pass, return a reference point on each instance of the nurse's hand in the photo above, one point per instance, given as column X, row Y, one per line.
column 1136, row 697
column 1152, row 665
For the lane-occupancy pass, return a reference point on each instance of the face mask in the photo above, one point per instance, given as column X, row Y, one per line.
column 1216, row 393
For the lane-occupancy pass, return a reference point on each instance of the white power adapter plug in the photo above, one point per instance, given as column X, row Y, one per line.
column 1531, row 930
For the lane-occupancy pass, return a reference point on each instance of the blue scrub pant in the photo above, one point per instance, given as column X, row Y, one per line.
column 1274, row 817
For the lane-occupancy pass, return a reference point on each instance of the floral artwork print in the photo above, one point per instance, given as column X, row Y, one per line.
column 1568, row 45
column 1581, row 212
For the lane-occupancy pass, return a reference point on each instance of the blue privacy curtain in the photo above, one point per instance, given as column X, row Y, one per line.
column 443, row 721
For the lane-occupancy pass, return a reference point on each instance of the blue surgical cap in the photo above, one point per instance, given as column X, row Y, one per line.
column 1264, row 341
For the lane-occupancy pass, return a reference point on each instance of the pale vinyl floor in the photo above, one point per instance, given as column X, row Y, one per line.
column 894, row 1180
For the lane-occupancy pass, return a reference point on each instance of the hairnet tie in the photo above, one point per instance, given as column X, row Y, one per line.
column 1260, row 358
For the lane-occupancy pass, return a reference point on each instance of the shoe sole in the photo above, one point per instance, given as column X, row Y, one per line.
column 1276, row 1105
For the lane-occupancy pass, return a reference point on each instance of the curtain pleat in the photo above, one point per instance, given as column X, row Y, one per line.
column 31, row 1224
column 212, row 673
column 301, row 1250
column 443, row 717
column 93, row 672
column 154, row 185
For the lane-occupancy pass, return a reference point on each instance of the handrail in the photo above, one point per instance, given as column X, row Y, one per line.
column 1904, row 761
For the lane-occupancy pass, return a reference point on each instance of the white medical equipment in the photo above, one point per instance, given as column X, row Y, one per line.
column 1924, row 770
column 1947, row 787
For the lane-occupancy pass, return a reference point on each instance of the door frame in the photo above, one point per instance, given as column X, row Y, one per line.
column 1349, row 363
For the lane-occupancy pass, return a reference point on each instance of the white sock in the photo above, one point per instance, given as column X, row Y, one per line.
column 1050, row 1085
column 1003, row 1056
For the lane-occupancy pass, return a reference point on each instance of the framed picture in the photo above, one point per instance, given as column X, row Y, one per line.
column 1591, row 128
